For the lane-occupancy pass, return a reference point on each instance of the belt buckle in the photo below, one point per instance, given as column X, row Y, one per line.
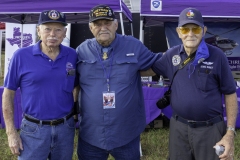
column 192, row 123
column 52, row 123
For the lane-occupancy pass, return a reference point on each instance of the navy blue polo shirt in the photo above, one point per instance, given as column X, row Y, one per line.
column 111, row 128
column 46, row 87
column 197, row 92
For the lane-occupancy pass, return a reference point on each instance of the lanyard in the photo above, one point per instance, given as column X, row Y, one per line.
column 105, row 70
column 188, row 59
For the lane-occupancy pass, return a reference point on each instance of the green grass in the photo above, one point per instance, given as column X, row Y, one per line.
column 154, row 143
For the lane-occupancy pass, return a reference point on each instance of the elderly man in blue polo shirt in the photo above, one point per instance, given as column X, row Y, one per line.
column 200, row 75
column 45, row 73
column 112, row 104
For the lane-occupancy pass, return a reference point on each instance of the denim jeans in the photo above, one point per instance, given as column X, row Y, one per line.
column 130, row 151
column 44, row 141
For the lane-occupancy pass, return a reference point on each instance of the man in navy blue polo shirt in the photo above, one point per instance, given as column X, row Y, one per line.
column 45, row 73
column 112, row 103
column 197, row 123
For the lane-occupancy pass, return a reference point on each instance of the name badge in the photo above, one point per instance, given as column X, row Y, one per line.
column 109, row 100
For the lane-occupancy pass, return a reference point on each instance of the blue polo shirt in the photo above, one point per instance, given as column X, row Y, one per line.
column 197, row 93
column 111, row 128
column 46, row 85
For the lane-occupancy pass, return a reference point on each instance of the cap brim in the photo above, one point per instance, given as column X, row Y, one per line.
column 107, row 18
column 190, row 21
column 65, row 24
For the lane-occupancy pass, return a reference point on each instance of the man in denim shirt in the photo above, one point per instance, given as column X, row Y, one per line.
column 112, row 103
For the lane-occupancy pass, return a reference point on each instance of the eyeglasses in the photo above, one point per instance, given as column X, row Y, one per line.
column 186, row 30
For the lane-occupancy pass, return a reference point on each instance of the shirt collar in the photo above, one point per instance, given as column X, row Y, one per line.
column 182, row 50
column 113, row 45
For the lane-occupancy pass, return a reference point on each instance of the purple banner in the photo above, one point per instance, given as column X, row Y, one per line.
column 27, row 12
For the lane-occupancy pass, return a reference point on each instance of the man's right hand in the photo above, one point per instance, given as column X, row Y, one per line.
column 15, row 143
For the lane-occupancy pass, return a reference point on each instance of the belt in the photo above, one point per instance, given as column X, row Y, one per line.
column 52, row 122
column 196, row 124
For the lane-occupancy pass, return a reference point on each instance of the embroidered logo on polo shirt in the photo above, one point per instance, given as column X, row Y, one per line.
column 70, row 70
column 176, row 59
column 207, row 65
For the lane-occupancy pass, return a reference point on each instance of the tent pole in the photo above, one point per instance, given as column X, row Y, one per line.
column 121, row 20
column 141, row 38
column 131, row 28
column 22, row 36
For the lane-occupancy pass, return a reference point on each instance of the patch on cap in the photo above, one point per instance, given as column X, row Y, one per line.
column 52, row 16
column 190, row 14
column 101, row 12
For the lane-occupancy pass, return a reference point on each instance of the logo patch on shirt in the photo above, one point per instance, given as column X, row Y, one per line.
column 207, row 65
column 176, row 59
column 70, row 70
column 129, row 54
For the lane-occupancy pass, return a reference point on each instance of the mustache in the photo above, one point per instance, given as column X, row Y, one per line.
column 52, row 38
column 103, row 33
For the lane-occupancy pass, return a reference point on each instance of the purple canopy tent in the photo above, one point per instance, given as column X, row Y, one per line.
column 27, row 12
column 156, row 12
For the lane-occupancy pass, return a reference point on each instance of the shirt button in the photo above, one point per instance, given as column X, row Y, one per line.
column 49, row 60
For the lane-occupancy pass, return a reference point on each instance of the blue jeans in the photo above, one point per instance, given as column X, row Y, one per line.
column 130, row 151
column 44, row 141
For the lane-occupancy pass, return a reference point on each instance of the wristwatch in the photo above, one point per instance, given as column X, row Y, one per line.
column 232, row 129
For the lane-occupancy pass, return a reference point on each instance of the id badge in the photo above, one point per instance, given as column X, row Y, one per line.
column 108, row 100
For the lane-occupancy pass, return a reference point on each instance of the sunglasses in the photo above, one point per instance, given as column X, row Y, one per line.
column 186, row 30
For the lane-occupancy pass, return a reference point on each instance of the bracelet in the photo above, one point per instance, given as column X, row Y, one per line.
column 232, row 129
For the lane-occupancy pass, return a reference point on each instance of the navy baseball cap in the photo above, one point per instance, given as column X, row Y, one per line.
column 52, row 16
column 190, row 15
column 101, row 12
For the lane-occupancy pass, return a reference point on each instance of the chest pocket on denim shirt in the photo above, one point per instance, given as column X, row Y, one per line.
column 87, row 70
column 206, row 80
column 126, row 69
column 69, row 82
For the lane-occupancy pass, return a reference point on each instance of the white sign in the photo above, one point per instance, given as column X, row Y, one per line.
column 66, row 40
column 156, row 5
column 17, row 36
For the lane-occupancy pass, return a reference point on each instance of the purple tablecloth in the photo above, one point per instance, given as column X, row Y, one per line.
column 151, row 96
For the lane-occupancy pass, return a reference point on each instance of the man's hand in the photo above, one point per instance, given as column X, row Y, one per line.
column 228, row 142
column 15, row 143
